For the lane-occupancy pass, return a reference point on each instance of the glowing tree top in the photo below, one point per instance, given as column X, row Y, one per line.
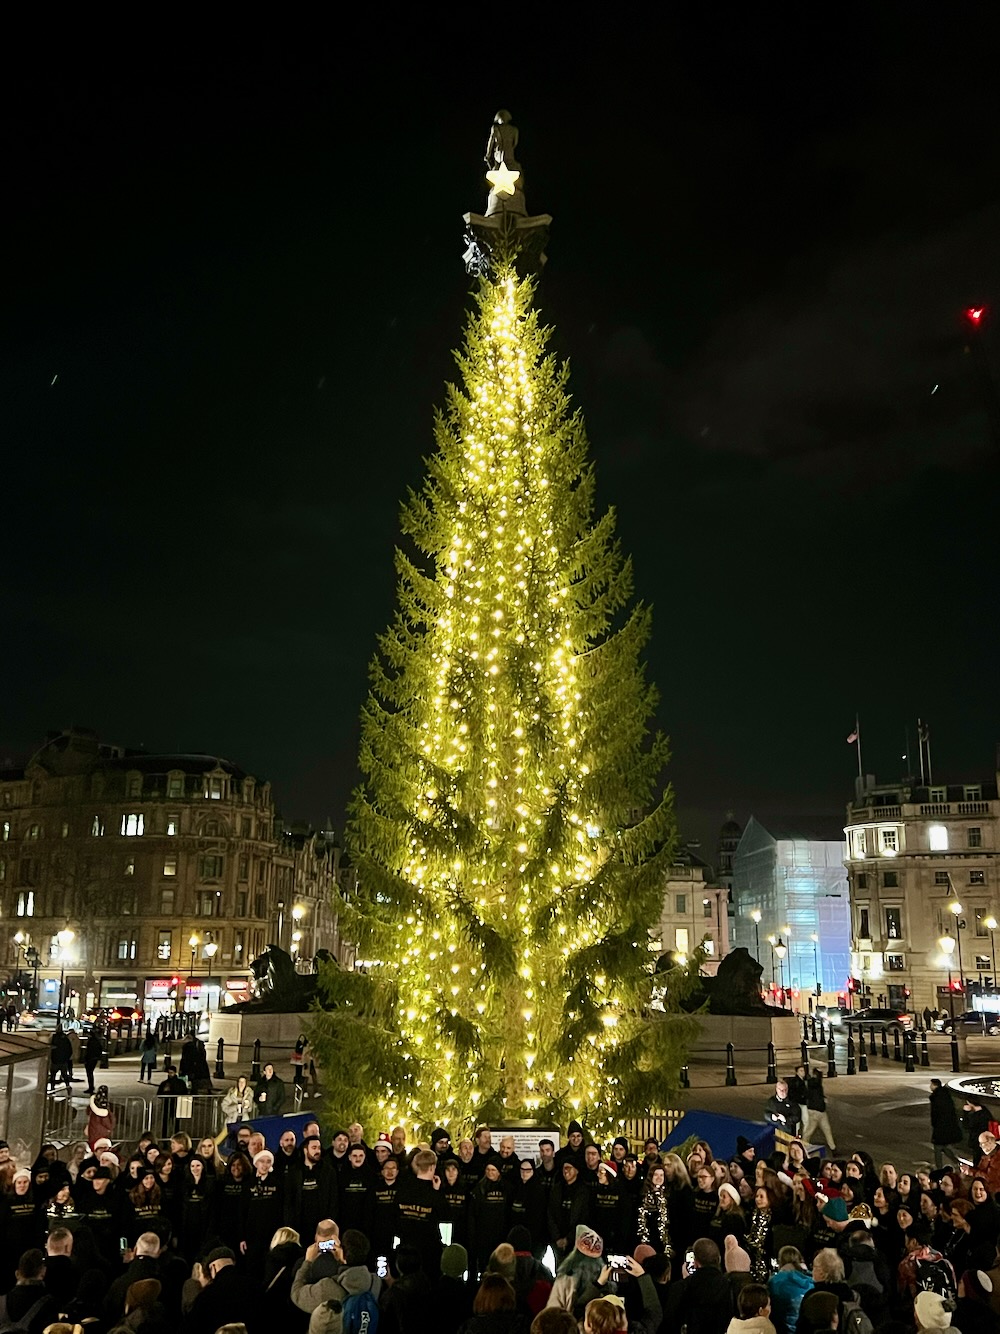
column 510, row 832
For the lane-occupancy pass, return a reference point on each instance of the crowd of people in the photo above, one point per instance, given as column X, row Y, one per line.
column 477, row 1238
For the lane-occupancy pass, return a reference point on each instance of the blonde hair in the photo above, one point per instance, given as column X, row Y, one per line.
column 680, row 1173
column 284, row 1234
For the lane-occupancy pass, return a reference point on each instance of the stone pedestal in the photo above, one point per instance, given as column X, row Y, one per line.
column 278, row 1034
column 749, row 1035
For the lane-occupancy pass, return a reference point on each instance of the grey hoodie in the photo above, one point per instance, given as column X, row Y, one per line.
column 309, row 1292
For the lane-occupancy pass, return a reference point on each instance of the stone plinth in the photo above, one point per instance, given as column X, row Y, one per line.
column 278, row 1034
column 749, row 1035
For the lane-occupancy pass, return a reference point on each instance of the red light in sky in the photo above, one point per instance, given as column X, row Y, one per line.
column 974, row 314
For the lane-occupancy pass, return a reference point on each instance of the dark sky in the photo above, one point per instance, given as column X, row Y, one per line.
column 232, row 290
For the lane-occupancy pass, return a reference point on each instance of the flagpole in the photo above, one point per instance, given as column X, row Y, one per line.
column 857, row 728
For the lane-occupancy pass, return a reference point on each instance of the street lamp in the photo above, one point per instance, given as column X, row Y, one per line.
column 781, row 950
column 947, row 947
column 772, row 941
column 956, row 910
column 194, row 942
column 755, row 918
column 815, row 940
column 32, row 958
column 209, row 952
column 65, row 938
column 991, row 925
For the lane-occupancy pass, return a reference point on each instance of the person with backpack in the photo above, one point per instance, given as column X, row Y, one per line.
column 923, row 1268
column 29, row 1307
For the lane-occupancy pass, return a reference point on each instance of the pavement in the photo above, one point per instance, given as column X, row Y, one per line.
column 885, row 1111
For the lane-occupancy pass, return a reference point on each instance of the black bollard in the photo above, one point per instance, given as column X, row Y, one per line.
column 862, row 1057
column 885, row 1044
column 852, row 1068
column 220, row 1072
column 772, row 1066
column 831, row 1060
column 730, row 1066
column 166, row 1053
column 925, row 1057
column 805, row 1056
column 255, row 1064
column 909, row 1051
column 895, row 1045
column 871, row 1040
column 822, row 1031
column 954, row 1053
column 805, row 1028
column 685, row 1077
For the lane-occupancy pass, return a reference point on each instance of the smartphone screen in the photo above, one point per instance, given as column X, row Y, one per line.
column 445, row 1229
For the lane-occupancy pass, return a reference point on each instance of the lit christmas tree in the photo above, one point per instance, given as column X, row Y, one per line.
column 510, row 834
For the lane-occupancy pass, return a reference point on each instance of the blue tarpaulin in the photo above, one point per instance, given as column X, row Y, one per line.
column 720, row 1132
column 273, row 1127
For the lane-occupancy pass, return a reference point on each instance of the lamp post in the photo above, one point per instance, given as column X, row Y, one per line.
column 65, row 938
column 956, row 909
column 772, row 941
column 298, row 912
column 209, row 952
column 991, row 925
column 755, row 918
column 194, row 942
column 947, row 947
column 780, row 950
column 32, row 958
column 817, row 988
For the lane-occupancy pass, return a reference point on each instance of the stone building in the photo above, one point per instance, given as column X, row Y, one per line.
column 923, row 861
column 150, row 880
column 694, row 912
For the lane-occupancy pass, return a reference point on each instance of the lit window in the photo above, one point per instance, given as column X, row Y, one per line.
column 860, row 843
column 173, row 825
column 983, row 963
column 126, row 947
column 890, row 842
column 34, row 831
column 132, row 825
column 681, row 940
column 97, row 827
column 130, row 866
column 895, row 963
column 163, row 946
column 893, row 923
column 65, row 829
column 170, row 866
column 238, row 939
column 26, row 903
column 938, row 836
column 709, row 945
column 5, row 831
column 214, row 789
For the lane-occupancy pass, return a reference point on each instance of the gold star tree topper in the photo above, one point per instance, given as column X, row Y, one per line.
column 503, row 180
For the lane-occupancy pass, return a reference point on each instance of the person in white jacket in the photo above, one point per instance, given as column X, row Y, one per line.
column 754, row 1306
column 237, row 1104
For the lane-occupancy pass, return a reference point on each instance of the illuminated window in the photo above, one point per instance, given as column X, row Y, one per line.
column 5, row 831
column 65, row 829
column 130, row 866
column 681, row 940
column 173, row 825
column 983, row 963
column 709, row 946
column 97, row 827
column 214, row 789
column 894, row 923
column 126, row 947
column 938, row 836
column 170, row 866
column 238, row 944
column 890, row 840
column 26, row 903
column 164, row 946
column 895, row 963
column 132, row 825
column 34, row 831
column 975, row 838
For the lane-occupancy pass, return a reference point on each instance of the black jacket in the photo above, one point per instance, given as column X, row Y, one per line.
column 230, row 1299
column 945, row 1125
column 702, row 1302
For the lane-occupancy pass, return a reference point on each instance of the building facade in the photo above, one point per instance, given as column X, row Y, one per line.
column 791, row 911
column 150, row 880
column 694, row 913
column 923, row 863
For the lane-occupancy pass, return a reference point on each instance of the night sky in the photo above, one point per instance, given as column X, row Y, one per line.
column 233, row 289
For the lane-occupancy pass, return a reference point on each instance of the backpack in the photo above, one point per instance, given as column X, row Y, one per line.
column 9, row 1326
column 936, row 1276
column 361, row 1314
column 854, row 1320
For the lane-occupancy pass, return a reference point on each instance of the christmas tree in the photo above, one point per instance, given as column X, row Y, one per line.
column 510, row 834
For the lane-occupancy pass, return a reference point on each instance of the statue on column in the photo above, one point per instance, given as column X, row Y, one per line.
column 501, row 148
column 506, row 231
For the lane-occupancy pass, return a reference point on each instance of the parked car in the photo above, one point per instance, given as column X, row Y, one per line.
column 834, row 1017
column 879, row 1018
column 970, row 1022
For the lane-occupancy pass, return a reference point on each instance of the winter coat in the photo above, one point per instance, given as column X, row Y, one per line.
column 237, row 1106
column 787, row 1288
column 756, row 1324
column 269, row 1096
column 945, row 1125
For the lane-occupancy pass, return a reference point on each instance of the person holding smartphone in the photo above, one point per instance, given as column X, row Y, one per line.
column 620, row 1269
